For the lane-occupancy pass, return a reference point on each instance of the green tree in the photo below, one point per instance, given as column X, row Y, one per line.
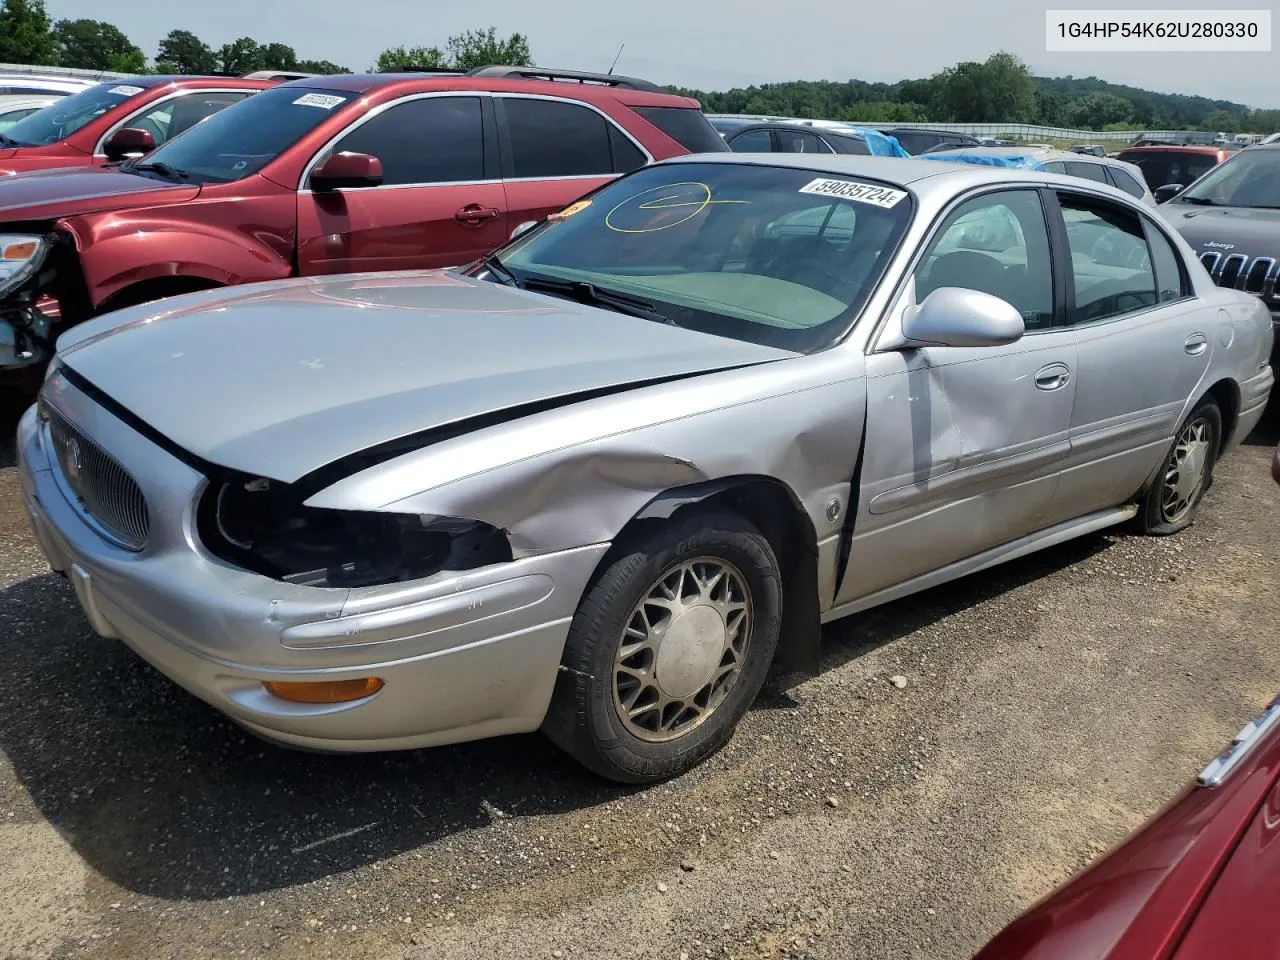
column 462, row 51
column 321, row 66
column 183, row 52
column 1000, row 90
column 95, row 45
column 279, row 56
column 241, row 56
column 409, row 57
column 477, row 48
column 1265, row 121
column 1222, row 120
column 25, row 36
column 883, row 111
column 1096, row 110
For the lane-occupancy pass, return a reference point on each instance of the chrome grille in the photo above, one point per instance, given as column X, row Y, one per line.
column 104, row 490
column 1257, row 275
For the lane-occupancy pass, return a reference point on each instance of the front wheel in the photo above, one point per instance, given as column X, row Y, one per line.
column 1170, row 505
column 668, row 648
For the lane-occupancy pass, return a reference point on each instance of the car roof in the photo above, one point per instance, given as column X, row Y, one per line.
column 792, row 127
column 902, row 171
column 593, row 87
column 1176, row 148
column 8, row 104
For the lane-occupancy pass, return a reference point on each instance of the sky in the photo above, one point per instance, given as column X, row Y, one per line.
column 705, row 44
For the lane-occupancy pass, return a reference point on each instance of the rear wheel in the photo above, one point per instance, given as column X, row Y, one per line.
column 668, row 648
column 1170, row 505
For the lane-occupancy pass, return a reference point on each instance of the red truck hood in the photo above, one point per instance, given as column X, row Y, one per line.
column 53, row 194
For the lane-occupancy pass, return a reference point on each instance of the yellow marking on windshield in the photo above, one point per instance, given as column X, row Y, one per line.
column 700, row 200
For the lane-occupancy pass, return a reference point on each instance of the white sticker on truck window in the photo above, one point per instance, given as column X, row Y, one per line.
column 859, row 192
column 125, row 90
column 323, row 100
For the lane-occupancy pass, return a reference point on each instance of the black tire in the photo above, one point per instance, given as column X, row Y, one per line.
column 1154, row 517
column 583, row 719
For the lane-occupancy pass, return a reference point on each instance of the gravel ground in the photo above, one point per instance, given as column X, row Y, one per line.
column 1051, row 706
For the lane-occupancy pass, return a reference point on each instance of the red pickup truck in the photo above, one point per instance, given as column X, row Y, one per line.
column 338, row 174
column 81, row 130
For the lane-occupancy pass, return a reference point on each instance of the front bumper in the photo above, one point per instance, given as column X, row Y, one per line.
column 462, row 655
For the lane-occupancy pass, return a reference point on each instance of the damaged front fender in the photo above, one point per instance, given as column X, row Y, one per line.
column 576, row 476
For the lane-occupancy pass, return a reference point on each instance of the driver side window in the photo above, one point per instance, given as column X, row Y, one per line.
column 1110, row 260
column 429, row 140
column 997, row 243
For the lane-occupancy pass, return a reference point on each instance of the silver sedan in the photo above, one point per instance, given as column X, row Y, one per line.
column 601, row 482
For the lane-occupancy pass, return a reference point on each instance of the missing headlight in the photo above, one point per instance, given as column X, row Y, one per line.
column 261, row 525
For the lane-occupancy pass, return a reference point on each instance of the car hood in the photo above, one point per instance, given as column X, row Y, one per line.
column 66, row 192
column 1226, row 230
column 280, row 379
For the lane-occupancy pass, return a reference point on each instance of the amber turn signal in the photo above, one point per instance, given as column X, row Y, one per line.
column 324, row 691
column 23, row 250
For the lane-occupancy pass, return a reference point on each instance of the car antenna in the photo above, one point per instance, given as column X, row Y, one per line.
column 615, row 59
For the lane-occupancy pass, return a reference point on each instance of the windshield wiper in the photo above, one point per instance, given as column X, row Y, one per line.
column 1199, row 201
column 499, row 269
column 166, row 171
column 592, row 295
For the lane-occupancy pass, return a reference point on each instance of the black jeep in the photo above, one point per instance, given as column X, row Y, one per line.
column 1231, row 218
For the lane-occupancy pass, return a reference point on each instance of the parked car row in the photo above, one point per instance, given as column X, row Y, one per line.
column 391, row 171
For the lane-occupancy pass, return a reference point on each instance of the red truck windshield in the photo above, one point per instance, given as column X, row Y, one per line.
column 245, row 137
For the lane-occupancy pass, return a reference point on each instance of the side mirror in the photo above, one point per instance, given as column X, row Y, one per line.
column 523, row 228
column 1168, row 192
column 127, row 142
column 958, row 317
column 347, row 170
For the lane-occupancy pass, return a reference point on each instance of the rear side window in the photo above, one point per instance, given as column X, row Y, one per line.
column 686, row 126
column 800, row 142
column 1125, row 182
column 1171, row 281
column 1089, row 171
column 552, row 138
column 850, row 145
column 753, row 141
column 626, row 155
column 914, row 142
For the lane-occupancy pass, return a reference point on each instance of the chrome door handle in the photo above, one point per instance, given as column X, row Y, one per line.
column 473, row 214
column 1196, row 344
column 1054, row 376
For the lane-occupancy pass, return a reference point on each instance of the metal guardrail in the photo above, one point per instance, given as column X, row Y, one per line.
column 75, row 73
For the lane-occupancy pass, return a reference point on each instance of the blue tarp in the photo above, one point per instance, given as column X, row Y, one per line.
column 1017, row 161
column 880, row 144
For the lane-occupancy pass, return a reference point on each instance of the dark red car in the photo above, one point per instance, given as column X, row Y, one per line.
column 1169, row 166
column 78, row 130
column 392, row 171
column 1201, row 881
